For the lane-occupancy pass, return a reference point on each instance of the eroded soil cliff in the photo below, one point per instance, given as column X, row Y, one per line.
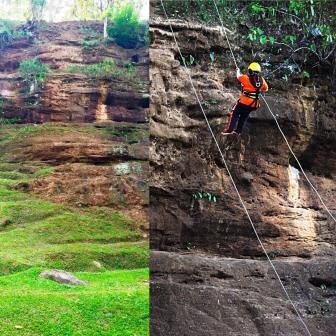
column 78, row 140
column 205, row 282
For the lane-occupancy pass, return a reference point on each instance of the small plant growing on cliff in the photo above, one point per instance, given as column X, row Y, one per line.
column 105, row 70
column 34, row 72
column 2, row 103
column 88, row 44
column 323, row 286
column 127, row 29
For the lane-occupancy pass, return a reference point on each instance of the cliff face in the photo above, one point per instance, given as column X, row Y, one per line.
column 68, row 96
column 206, row 292
column 103, row 164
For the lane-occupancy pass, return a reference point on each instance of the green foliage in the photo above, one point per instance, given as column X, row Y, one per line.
column 37, row 7
column 33, row 71
column 189, row 246
column 113, row 303
column 45, row 171
column 306, row 74
column 306, row 27
column 126, row 28
column 86, row 9
column 255, row 33
column 189, row 60
column 205, row 195
column 61, row 236
column 9, row 121
column 290, row 39
column 257, row 8
column 105, row 70
column 297, row 6
column 212, row 57
column 88, row 44
column 9, row 31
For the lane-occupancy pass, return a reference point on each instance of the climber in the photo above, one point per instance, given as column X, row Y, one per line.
column 248, row 101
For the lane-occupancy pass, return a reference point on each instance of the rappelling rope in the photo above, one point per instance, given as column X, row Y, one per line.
column 277, row 123
column 228, row 170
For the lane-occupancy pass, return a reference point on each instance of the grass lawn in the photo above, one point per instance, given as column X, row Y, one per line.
column 113, row 303
column 37, row 234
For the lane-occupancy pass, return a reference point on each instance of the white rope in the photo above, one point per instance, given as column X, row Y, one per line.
column 277, row 123
column 229, row 173
column 227, row 39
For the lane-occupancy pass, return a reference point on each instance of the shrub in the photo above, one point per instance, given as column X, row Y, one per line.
column 88, row 44
column 126, row 30
column 2, row 103
column 33, row 71
column 9, row 121
column 9, row 32
column 105, row 70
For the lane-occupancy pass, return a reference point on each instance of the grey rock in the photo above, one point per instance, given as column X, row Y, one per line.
column 61, row 277
column 97, row 264
column 247, row 178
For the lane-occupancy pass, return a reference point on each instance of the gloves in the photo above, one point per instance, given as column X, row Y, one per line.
column 238, row 72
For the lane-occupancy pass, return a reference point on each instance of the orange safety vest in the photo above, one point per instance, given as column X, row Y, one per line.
column 250, row 90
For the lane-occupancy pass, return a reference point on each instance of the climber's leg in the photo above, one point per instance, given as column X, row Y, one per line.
column 234, row 115
column 243, row 116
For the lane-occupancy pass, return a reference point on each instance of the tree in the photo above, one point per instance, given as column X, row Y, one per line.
column 93, row 10
column 37, row 7
column 127, row 28
column 104, row 8
column 85, row 9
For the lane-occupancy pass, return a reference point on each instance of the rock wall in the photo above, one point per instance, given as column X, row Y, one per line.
column 93, row 133
column 193, row 295
column 71, row 97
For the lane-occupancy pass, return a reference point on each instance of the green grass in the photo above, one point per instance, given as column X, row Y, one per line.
column 11, row 134
column 113, row 303
column 37, row 234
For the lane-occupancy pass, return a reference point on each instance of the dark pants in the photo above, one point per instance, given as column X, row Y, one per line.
column 240, row 114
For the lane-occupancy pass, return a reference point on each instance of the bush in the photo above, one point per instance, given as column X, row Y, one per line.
column 126, row 30
column 88, row 44
column 9, row 121
column 33, row 71
column 9, row 32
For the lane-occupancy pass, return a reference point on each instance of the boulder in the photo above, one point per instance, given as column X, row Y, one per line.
column 62, row 277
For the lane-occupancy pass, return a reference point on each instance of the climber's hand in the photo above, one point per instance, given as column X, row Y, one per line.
column 238, row 72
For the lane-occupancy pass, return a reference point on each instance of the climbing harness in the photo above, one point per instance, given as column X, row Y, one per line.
column 224, row 161
column 256, row 82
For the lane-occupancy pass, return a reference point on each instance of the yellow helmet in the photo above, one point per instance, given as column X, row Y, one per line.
column 254, row 66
